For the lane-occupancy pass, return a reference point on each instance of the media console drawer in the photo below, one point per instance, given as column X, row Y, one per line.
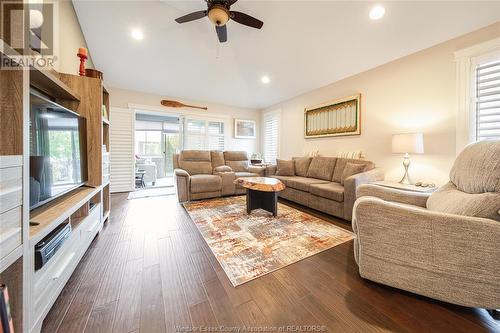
column 10, row 230
column 11, row 188
column 92, row 225
column 57, row 270
column 52, row 277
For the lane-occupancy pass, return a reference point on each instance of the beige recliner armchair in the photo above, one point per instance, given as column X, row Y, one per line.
column 445, row 245
column 201, row 174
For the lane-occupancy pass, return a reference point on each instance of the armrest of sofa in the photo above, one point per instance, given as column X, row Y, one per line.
column 227, row 177
column 260, row 170
column 182, row 178
column 222, row 168
column 394, row 241
column 351, row 184
column 393, row 194
column 271, row 170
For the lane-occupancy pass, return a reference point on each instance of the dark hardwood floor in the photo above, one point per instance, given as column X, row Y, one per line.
column 150, row 270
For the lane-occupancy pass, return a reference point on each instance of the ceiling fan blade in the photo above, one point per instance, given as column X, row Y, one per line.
column 191, row 17
column 245, row 19
column 231, row 2
column 221, row 33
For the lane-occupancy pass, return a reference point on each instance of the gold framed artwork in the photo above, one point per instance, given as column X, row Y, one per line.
column 336, row 118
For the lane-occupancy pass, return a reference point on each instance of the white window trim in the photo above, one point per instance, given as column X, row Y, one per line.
column 224, row 120
column 263, row 138
column 183, row 114
column 466, row 61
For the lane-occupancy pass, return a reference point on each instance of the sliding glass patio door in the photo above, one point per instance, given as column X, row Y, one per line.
column 157, row 138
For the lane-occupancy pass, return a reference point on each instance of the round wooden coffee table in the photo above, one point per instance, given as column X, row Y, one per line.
column 262, row 192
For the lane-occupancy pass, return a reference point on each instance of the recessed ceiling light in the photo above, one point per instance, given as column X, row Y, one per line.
column 377, row 12
column 265, row 79
column 137, row 34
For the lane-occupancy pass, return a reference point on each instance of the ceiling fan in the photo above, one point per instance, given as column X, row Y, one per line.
column 219, row 14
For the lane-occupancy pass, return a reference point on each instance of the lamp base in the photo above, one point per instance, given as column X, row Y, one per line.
column 406, row 177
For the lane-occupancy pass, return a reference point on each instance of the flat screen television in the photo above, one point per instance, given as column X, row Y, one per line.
column 57, row 150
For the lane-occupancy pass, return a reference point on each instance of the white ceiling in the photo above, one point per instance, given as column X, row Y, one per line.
column 302, row 46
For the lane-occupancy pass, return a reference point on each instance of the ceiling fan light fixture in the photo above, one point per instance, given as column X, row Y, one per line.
column 218, row 15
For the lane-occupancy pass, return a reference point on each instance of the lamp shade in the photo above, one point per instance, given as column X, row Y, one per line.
column 411, row 143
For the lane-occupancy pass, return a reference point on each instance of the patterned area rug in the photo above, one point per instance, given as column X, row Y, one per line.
column 249, row 246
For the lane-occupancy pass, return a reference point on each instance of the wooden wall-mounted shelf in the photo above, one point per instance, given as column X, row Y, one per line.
column 89, row 107
column 51, row 85
column 54, row 213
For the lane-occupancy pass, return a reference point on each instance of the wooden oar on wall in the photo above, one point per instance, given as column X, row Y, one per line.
column 175, row 104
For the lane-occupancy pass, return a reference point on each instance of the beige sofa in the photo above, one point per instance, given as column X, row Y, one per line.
column 316, row 183
column 445, row 245
column 201, row 174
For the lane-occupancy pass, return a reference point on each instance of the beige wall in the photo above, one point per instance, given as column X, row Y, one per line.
column 151, row 102
column 412, row 94
column 70, row 38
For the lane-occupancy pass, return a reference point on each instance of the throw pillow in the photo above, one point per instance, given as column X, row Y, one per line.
column 302, row 165
column 285, row 168
column 321, row 168
column 351, row 169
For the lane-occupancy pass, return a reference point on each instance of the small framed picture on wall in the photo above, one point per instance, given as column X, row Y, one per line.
column 244, row 129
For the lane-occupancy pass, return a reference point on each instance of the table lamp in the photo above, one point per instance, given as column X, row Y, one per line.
column 407, row 143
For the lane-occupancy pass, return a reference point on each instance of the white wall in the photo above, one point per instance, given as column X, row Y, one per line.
column 412, row 94
column 69, row 39
column 144, row 101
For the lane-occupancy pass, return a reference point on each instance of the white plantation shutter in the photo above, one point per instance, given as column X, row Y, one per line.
column 204, row 134
column 488, row 100
column 271, row 136
column 195, row 134
column 122, row 150
column 215, row 135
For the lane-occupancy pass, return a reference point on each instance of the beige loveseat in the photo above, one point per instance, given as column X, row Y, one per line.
column 201, row 174
column 445, row 245
column 318, row 183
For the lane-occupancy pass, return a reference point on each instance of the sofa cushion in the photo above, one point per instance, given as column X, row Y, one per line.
column 448, row 199
column 217, row 157
column 245, row 174
column 477, row 168
column 302, row 165
column 285, row 168
column 195, row 155
column 238, row 166
column 332, row 191
column 350, row 170
column 205, row 183
column 321, row 168
column 284, row 179
column 341, row 163
column 303, row 183
column 237, row 160
column 195, row 162
column 230, row 155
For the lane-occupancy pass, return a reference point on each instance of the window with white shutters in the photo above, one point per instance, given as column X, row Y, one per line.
column 271, row 136
column 215, row 135
column 488, row 100
column 204, row 134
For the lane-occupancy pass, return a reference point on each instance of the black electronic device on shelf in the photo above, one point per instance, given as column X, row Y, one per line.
column 48, row 246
